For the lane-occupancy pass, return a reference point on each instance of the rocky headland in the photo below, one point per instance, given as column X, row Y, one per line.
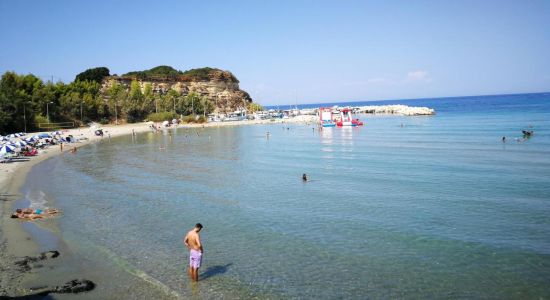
column 219, row 86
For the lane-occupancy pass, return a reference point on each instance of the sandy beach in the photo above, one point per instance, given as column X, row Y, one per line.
column 17, row 242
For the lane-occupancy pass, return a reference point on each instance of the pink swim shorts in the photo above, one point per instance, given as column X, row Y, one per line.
column 195, row 259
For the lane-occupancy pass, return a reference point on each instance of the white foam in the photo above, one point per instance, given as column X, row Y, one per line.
column 37, row 199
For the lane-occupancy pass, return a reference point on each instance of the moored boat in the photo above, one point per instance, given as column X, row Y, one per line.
column 326, row 117
column 346, row 119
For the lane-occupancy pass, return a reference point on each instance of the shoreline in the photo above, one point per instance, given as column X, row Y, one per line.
column 16, row 239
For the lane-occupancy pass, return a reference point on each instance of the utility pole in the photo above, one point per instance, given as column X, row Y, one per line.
column 25, row 116
column 48, row 111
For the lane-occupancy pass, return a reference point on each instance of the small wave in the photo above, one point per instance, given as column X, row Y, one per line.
column 37, row 199
column 126, row 266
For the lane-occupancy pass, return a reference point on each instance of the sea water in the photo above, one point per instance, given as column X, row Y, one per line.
column 402, row 207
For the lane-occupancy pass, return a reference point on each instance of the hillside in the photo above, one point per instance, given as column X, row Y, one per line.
column 219, row 86
column 165, row 73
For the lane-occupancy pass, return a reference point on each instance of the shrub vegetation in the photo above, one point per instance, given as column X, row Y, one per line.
column 162, row 116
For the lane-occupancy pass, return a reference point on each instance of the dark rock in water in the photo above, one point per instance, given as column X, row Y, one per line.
column 75, row 286
column 24, row 264
column 49, row 254
column 72, row 287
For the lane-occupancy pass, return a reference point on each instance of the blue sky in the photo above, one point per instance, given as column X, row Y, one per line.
column 286, row 52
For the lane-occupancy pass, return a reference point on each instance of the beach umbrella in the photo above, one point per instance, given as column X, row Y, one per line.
column 44, row 135
column 57, row 133
column 30, row 139
column 6, row 149
column 19, row 144
column 2, row 138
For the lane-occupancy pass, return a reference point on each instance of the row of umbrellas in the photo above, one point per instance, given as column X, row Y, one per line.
column 10, row 142
column 12, row 136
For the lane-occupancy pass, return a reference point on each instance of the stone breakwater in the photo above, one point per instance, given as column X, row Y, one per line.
column 397, row 109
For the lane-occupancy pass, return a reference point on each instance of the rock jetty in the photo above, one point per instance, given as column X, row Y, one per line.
column 397, row 109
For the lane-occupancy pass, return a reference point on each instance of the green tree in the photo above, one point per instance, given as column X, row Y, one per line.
column 69, row 104
column 78, row 101
column 149, row 99
column 191, row 103
column 172, row 100
column 206, row 106
column 16, row 95
column 116, row 97
column 195, row 104
column 95, row 74
column 160, row 72
column 134, row 104
column 254, row 107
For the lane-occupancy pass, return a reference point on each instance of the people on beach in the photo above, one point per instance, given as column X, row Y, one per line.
column 73, row 151
column 193, row 242
column 31, row 214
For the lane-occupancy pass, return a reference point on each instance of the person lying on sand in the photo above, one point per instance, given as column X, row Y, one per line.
column 31, row 214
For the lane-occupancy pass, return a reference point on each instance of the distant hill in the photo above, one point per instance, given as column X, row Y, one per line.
column 164, row 73
column 94, row 74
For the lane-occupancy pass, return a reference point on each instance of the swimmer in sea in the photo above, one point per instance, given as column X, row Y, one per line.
column 304, row 177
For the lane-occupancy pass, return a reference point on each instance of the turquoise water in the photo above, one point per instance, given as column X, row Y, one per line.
column 403, row 207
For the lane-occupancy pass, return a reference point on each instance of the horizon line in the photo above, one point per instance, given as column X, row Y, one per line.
column 408, row 99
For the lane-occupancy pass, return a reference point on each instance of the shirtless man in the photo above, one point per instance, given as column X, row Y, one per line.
column 193, row 242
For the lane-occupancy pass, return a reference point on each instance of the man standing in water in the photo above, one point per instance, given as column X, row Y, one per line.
column 193, row 242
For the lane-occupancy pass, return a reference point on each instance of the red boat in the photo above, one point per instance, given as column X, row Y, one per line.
column 346, row 119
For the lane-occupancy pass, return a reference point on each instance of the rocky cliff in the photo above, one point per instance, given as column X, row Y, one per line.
column 220, row 86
